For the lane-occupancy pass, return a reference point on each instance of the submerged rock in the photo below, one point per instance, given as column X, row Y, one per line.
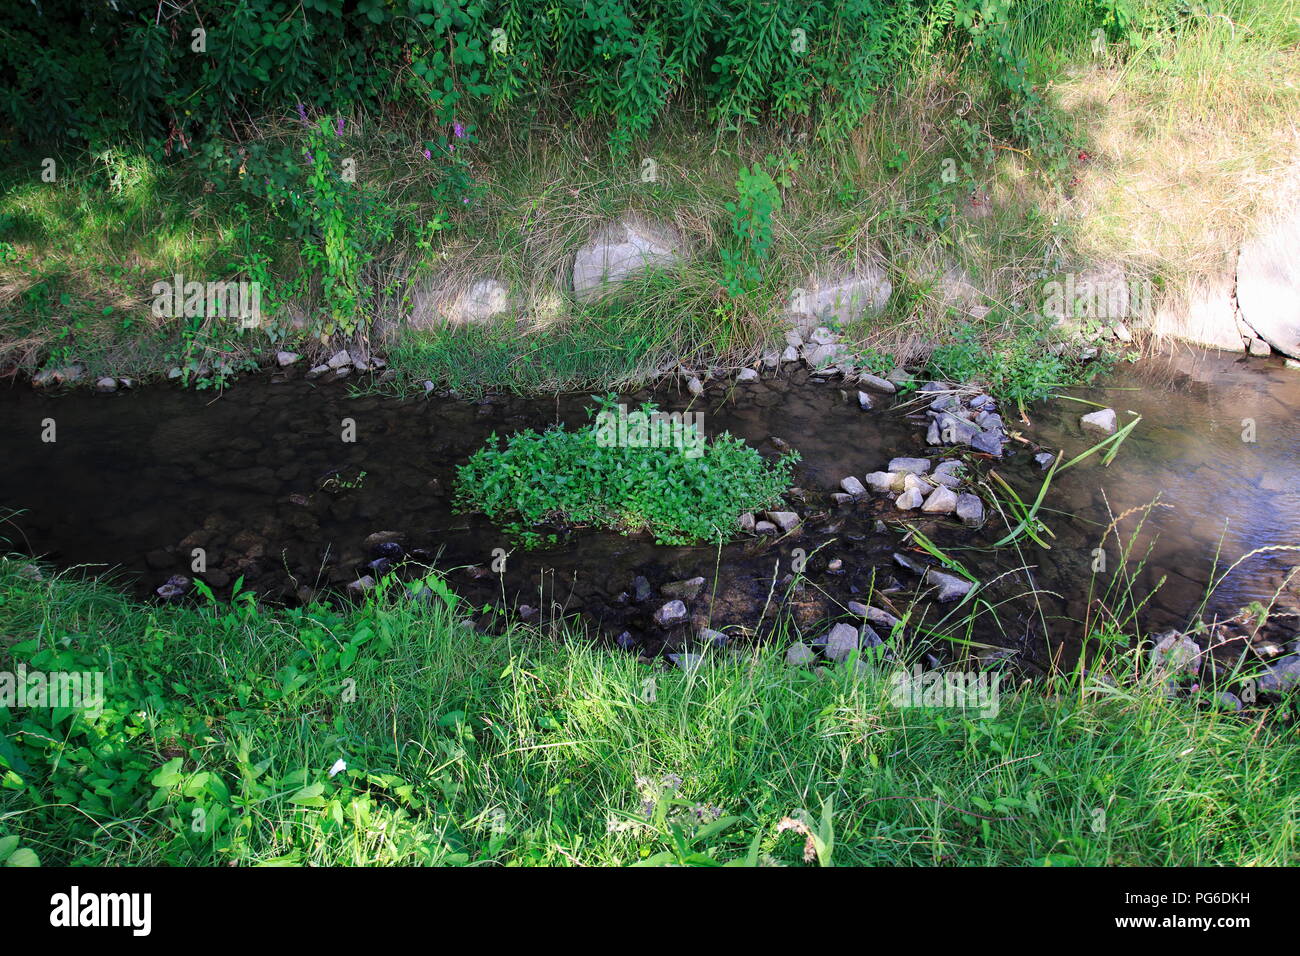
column 852, row 486
column 970, row 510
column 1101, row 422
column 687, row 590
column 912, row 466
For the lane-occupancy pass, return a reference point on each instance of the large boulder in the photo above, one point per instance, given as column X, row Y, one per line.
column 1268, row 283
column 479, row 302
column 847, row 296
column 1202, row 313
column 621, row 249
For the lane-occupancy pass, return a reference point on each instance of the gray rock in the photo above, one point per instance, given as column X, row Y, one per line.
column 671, row 614
column 799, row 653
column 620, row 250
column 285, row 359
column 747, row 375
column 641, row 590
column 988, row 442
column 713, row 638
column 687, row 590
column 695, row 386
column 791, row 354
column 1101, row 422
column 361, row 585
column 849, row 296
column 883, row 482
column 911, row 466
column 840, row 498
column 950, row 587
column 764, row 527
column 771, row 359
column 823, row 336
column 1175, row 652
column 339, row 360
column 1268, row 281
column 908, row 562
column 970, row 510
column 686, row 660
column 852, row 486
column 1044, row 459
column 841, row 641
column 319, row 370
column 1281, row 676
column 106, row 384
column 746, row 523
column 822, row 355
column 174, row 588
column 941, row 501
column 785, row 520
column 912, row 498
column 876, row 383
column 864, row 401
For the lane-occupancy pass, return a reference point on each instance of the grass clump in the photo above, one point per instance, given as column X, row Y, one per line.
column 643, row 470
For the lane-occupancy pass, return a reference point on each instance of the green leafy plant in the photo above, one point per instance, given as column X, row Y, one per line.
column 593, row 476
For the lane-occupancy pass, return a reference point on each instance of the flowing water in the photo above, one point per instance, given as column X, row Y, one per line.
column 260, row 478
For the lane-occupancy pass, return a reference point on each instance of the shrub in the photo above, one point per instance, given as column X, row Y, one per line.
column 649, row 476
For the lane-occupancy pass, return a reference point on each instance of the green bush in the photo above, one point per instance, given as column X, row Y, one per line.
column 651, row 476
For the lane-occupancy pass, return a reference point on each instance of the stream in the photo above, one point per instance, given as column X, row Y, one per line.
column 260, row 478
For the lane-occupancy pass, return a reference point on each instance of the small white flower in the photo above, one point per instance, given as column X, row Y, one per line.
column 339, row 766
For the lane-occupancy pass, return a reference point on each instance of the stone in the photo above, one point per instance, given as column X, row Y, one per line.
column 1259, row 348
column 970, row 510
column 787, row 521
column 852, row 486
column 771, row 359
column 941, row 501
column 695, row 386
column 1043, row 459
column 823, row 336
column 319, row 370
column 1100, row 422
column 840, row 498
column 883, row 482
column 747, row 375
column 174, row 588
column 841, row 641
column 950, row 587
column 641, row 589
column 671, row 614
column 799, row 653
column 106, row 384
column 746, row 522
column 686, row 660
column 764, row 527
column 990, row 443
column 850, row 295
column 864, row 401
column 821, row 355
column 1268, row 281
column 285, row 359
column 791, row 354
column 911, row 466
column 1175, row 652
column 338, row 360
column 686, row 590
column 361, row 585
column 1281, row 676
column 713, row 638
column 67, row 375
column 617, row 251
column 876, row 383
column 909, row 499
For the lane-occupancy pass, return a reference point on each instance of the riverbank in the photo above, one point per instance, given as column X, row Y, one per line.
column 942, row 221
column 393, row 734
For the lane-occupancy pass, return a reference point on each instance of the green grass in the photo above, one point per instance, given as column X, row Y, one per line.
column 528, row 749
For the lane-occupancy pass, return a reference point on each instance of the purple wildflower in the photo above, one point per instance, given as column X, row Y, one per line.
column 459, row 130
column 302, row 115
column 428, row 155
column 338, row 129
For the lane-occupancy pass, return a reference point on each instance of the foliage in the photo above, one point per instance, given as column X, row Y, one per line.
column 758, row 199
column 666, row 479
column 391, row 734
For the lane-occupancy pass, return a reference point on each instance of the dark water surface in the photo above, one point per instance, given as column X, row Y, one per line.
column 138, row 479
